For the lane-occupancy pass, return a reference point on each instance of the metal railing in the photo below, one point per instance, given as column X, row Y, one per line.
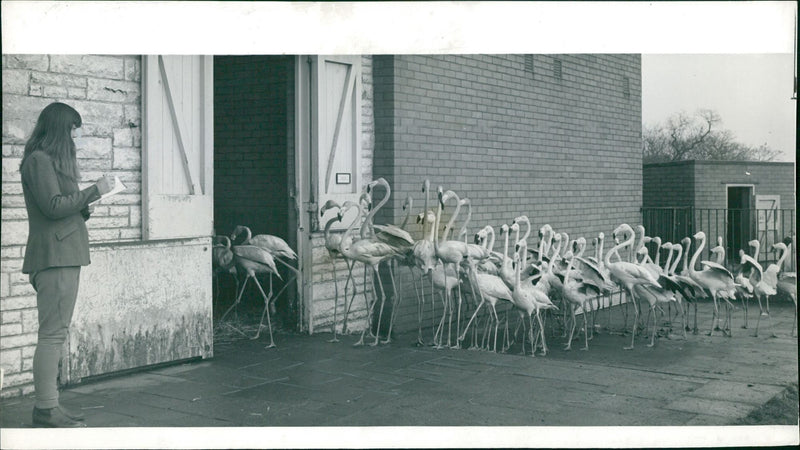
column 736, row 227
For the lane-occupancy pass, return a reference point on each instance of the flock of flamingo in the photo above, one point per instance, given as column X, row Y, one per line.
column 553, row 281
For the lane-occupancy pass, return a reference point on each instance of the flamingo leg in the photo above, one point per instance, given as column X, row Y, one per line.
column 635, row 319
column 383, row 301
column 744, row 307
column 370, row 307
column 496, row 326
column 396, row 300
column 238, row 299
column 266, row 311
column 715, row 314
column 769, row 320
column 585, row 331
column 477, row 310
column 572, row 328
column 439, row 335
column 523, row 338
column 541, row 332
column 348, row 304
column 420, row 309
column 533, row 345
column 655, row 320
column 336, row 298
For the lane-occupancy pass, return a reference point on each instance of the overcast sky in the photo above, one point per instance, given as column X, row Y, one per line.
column 731, row 57
column 751, row 93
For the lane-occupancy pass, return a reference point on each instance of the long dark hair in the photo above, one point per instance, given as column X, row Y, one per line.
column 53, row 135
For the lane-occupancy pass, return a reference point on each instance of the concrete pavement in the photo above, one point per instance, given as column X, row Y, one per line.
column 307, row 381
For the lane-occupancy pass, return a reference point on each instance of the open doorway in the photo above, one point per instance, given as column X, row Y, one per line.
column 254, row 171
column 740, row 220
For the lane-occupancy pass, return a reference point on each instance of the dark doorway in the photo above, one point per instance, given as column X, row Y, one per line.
column 253, row 169
column 740, row 217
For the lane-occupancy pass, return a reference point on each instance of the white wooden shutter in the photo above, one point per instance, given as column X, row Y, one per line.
column 767, row 207
column 336, row 124
column 178, row 147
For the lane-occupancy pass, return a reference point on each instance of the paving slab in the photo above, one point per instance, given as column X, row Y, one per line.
column 714, row 407
column 307, row 381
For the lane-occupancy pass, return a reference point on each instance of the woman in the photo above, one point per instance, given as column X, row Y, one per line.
column 58, row 245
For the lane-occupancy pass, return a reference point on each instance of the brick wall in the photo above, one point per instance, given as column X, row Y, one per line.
column 105, row 90
column 562, row 146
column 250, row 143
column 768, row 178
column 668, row 184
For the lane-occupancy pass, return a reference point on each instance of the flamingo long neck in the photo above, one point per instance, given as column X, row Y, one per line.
column 600, row 243
column 697, row 252
column 466, row 221
column 366, row 226
column 242, row 229
column 428, row 226
column 679, row 253
column 426, row 189
column 784, row 254
column 669, row 260
column 383, row 201
column 436, row 224
column 756, row 249
column 505, row 232
column 452, row 221
column 523, row 250
column 490, row 230
column 657, row 258
column 527, row 222
column 409, row 205
column 622, row 244
column 581, row 248
column 345, row 249
column 328, row 226
column 541, row 248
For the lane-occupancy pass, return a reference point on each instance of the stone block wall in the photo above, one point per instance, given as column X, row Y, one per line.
column 106, row 91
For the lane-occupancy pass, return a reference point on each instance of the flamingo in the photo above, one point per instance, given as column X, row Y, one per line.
column 406, row 259
column 332, row 244
column 222, row 260
column 425, row 255
column 715, row 278
column 425, row 260
column 365, row 200
column 576, row 295
column 787, row 281
column 692, row 292
column 370, row 252
column 529, row 300
column 396, row 238
column 628, row 275
column 253, row 260
column 741, row 276
column 655, row 295
column 768, row 285
column 276, row 247
column 595, row 279
column 449, row 252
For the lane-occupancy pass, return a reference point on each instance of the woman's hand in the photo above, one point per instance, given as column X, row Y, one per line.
column 104, row 185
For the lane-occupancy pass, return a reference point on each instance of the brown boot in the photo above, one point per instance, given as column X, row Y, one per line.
column 53, row 418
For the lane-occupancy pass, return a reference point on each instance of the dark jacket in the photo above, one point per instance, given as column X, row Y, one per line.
column 57, row 211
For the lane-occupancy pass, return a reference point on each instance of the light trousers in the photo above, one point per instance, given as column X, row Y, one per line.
column 56, row 293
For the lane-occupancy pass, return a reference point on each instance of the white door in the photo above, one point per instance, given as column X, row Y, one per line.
column 336, row 130
column 767, row 207
column 178, row 147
